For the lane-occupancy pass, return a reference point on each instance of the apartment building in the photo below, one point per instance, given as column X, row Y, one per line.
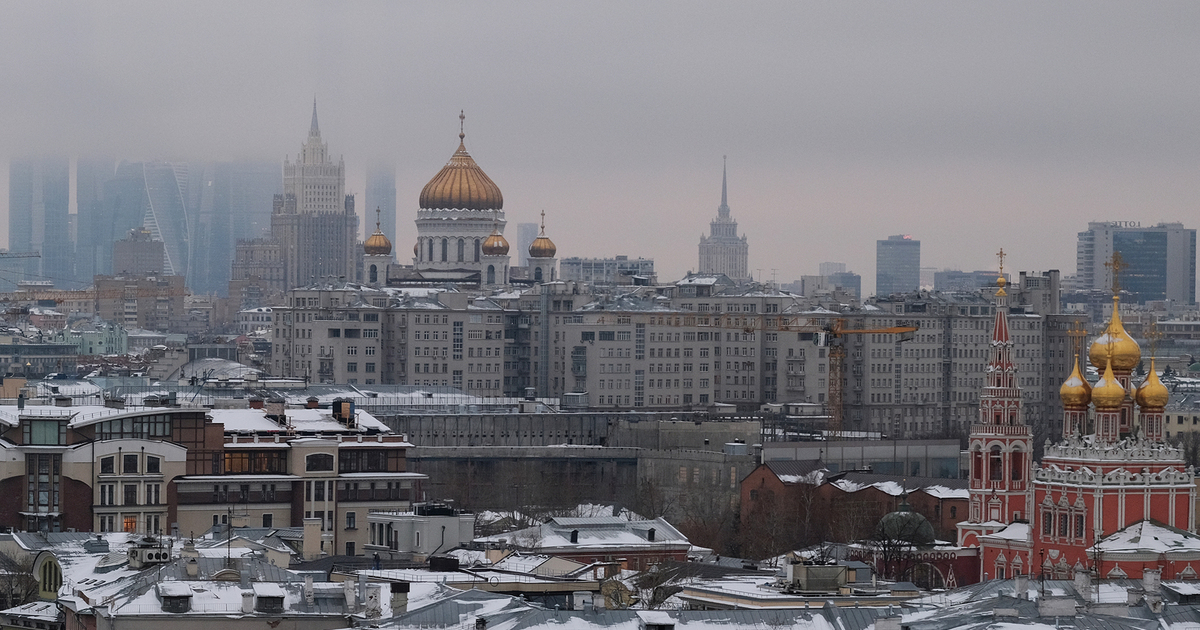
column 181, row 470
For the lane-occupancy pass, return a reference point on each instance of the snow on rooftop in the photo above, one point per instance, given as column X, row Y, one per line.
column 1145, row 536
column 942, row 492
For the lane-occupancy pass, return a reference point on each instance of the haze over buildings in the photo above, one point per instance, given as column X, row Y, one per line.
column 918, row 119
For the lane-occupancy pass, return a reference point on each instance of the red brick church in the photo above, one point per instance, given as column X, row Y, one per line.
column 1111, row 477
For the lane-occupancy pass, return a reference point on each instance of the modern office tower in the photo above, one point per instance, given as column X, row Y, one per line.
column 1159, row 261
column 847, row 281
column 107, row 216
column 166, row 212
column 314, row 219
column 381, row 194
column 138, row 254
column 252, row 188
column 39, row 196
column 91, row 175
column 526, row 232
column 830, row 268
column 897, row 265
column 617, row 270
column 723, row 251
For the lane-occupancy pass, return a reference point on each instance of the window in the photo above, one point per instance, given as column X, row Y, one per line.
column 351, row 522
column 352, row 367
column 153, row 464
column 350, row 545
column 268, row 520
column 153, row 494
column 129, row 464
column 318, row 462
column 106, row 494
column 130, row 494
column 106, row 465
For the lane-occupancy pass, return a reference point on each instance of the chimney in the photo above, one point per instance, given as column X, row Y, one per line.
column 312, row 538
column 374, row 605
column 188, row 550
column 310, row 597
column 244, row 573
column 312, row 403
column 62, row 401
column 256, row 402
column 350, row 594
column 247, row 601
column 193, row 568
column 399, row 598
column 1021, row 586
column 1151, row 580
column 1083, row 585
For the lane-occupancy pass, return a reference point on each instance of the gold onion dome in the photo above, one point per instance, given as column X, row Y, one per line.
column 1108, row 393
column 1115, row 344
column 461, row 185
column 495, row 245
column 1075, row 391
column 377, row 244
column 542, row 246
column 1001, row 282
column 1152, row 393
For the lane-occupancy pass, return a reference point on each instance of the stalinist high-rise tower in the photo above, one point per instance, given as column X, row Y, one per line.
column 314, row 219
column 723, row 251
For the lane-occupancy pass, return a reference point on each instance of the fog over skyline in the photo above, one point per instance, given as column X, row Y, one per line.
column 969, row 126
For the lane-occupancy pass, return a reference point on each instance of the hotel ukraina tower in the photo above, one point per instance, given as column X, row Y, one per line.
column 1111, row 477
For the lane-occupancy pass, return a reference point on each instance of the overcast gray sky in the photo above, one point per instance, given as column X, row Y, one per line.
column 970, row 126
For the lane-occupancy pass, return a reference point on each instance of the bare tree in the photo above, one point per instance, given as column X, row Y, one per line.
column 17, row 583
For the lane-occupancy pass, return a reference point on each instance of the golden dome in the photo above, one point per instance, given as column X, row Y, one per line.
column 495, row 245
column 1001, row 282
column 377, row 243
column 1125, row 352
column 1075, row 391
column 1108, row 393
column 461, row 185
column 1152, row 393
column 542, row 246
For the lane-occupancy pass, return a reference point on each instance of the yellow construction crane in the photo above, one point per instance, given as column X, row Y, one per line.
column 837, row 366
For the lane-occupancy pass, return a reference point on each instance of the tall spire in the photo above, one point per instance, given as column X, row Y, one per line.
column 313, row 130
column 723, row 211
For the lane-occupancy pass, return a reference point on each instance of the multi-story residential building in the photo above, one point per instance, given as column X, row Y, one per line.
column 1159, row 261
column 897, row 265
column 603, row 271
column 138, row 254
column 723, row 251
column 152, row 470
column 151, row 302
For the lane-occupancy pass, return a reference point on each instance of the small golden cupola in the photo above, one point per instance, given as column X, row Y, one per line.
column 1075, row 391
column 1108, row 393
column 495, row 244
column 1115, row 344
column 542, row 246
column 1152, row 393
column 377, row 243
column 461, row 184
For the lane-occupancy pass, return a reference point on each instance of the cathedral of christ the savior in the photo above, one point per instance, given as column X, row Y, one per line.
column 1110, row 498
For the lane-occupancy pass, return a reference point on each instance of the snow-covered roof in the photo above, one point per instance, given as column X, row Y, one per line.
column 302, row 420
column 1150, row 537
column 596, row 532
column 1014, row 531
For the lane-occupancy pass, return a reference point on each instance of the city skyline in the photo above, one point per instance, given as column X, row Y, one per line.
column 908, row 120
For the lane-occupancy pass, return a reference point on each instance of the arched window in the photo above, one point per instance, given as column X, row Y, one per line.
column 476, row 250
column 318, row 462
column 537, row 274
column 996, row 465
column 461, row 249
column 1018, row 464
column 491, row 274
column 445, row 249
column 430, row 250
column 374, row 274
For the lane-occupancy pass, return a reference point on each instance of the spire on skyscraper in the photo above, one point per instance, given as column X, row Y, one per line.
column 723, row 211
column 313, row 130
